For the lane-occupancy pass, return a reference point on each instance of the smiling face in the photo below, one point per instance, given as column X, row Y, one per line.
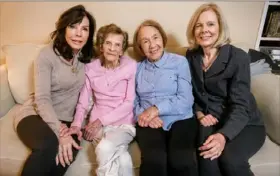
column 112, row 47
column 206, row 30
column 151, row 42
column 76, row 35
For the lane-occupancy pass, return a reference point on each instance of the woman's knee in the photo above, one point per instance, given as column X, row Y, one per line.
column 104, row 148
column 125, row 159
column 180, row 159
column 154, row 157
column 49, row 143
column 233, row 164
column 48, row 147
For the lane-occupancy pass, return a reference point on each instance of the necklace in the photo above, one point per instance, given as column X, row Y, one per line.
column 74, row 67
column 207, row 65
column 74, row 70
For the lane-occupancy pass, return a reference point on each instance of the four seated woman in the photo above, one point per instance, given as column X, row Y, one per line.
column 173, row 93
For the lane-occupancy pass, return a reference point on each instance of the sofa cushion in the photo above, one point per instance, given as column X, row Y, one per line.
column 19, row 60
column 265, row 88
column 12, row 151
column 266, row 161
column 7, row 100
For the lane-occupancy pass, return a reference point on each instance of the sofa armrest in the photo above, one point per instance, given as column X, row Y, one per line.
column 266, row 89
column 7, row 101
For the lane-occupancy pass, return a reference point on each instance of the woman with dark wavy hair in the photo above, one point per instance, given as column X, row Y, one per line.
column 59, row 77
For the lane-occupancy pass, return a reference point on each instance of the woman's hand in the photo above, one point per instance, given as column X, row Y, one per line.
column 207, row 120
column 145, row 117
column 72, row 130
column 63, row 129
column 213, row 146
column 91, row 129
column 65, row 154
column 156, row 123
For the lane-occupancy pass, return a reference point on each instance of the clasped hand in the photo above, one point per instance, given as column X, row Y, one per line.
column 208, row 120
column 150, row 117
column 213, row 146
column 66, row 142
column 92, row 129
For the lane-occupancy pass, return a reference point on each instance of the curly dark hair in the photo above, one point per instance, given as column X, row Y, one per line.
column 72, row 16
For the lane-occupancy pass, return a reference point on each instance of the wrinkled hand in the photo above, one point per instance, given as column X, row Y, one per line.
column 72, row 130
column 156, row 123
column 63, row 128
column 91, row 129
column 145, row 117
column 65, row 154
column 208, row 120
column 213, row 146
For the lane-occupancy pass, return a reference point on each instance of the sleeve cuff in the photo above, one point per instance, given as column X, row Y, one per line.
column 162, row 108
column 197, row 107
column 138, row 111
column 78, row 119
column 229, row 136
column 77, row 124
column 92, row 119
column 56, row 128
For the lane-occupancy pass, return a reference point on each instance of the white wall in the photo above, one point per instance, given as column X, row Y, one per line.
column 33, row 21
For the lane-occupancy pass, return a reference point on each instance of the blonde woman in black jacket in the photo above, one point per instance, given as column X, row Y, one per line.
column 231, row 130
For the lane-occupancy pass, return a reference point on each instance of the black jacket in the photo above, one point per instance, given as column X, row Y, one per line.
column 224, row 90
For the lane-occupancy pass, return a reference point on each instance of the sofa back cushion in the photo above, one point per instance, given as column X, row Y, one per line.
column 266, row 89
column 19, row 61
column 7, row 101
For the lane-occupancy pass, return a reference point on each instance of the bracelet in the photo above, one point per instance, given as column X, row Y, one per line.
column 201, row 117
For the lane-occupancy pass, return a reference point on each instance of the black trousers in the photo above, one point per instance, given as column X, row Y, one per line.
column 43, row 142
column 234, row 159
column 168, row 153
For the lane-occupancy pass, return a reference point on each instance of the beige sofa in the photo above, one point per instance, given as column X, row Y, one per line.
column 16, row 83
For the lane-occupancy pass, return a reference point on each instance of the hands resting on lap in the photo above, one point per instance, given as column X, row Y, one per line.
column 66, row 142
column 150, row 117
column 214, row 145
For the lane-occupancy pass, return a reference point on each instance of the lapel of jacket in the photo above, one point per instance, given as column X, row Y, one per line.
column 196, row 64
column 220, row 62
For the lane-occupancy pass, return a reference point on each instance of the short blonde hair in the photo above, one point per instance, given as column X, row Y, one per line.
column 104, row 31
column 223, row 38
column 136, row 44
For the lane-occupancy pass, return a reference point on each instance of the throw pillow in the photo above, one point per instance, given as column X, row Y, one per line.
column 19, row 60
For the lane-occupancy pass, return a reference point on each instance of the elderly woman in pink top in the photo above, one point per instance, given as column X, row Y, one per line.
column 110, row 80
